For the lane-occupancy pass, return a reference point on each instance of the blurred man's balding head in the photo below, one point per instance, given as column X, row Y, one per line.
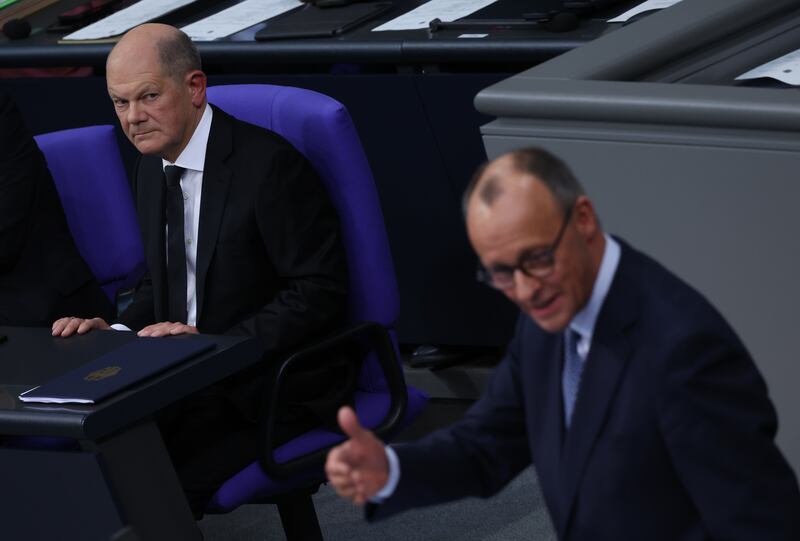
column 536, row 234
column 537, row 163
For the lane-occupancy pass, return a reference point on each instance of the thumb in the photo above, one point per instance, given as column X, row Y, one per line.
column 348, row 421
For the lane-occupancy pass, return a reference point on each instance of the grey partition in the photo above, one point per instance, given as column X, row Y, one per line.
column 698, row 170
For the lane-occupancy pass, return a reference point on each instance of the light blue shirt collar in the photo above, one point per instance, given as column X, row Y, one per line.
column 584, row 321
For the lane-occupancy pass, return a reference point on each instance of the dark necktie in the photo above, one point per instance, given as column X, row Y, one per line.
column 176, row 249
column 571, row 378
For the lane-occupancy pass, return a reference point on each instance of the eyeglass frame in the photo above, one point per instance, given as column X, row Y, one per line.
column 545, row 255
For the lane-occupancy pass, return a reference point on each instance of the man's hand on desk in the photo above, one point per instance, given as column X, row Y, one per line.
column 358, row 468
column 67, row 326
column 166, row 328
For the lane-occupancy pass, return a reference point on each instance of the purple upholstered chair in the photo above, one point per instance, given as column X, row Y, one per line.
column 94, row 191
column 321, row 128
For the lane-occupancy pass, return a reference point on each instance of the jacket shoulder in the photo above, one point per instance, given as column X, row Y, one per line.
column 669, row 306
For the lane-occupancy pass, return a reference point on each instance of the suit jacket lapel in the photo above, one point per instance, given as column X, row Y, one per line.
column 545, row 417
column 150, row 199
column 216, row 182
column 611, row 348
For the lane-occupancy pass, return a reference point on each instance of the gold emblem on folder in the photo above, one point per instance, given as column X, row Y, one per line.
column 103, row 373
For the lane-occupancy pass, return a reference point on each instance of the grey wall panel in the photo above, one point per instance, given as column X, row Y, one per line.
column 642, row 103
column 720, row 215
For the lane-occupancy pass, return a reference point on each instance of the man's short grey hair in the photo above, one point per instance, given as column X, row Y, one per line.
column 545, row 166
column 178, row 55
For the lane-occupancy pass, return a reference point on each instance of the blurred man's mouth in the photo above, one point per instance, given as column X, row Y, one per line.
column 541, row 309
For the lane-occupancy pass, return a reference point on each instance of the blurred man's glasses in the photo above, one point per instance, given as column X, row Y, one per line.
column 535, row 263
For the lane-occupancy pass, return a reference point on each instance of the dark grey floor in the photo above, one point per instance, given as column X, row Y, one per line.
column 516, row 513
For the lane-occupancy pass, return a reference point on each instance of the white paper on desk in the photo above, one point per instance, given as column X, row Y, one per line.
column 785, row 69
column 237, row 18
column 446, row 10
column 125, row 19
column 25, row 397
column 644, row 6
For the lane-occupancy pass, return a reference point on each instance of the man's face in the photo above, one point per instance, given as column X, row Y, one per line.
column 525, row 218
column 156, row 112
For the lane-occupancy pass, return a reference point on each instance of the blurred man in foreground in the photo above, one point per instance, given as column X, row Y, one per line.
column 640, row 409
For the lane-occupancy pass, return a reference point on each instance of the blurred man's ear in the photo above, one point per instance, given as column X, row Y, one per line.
column 585, row 217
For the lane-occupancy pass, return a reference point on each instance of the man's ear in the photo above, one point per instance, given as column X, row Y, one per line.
column 585, row 217
column 196, row 81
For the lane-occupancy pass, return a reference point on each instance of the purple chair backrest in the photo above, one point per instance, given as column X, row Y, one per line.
column 94, row 191
column 320, row 127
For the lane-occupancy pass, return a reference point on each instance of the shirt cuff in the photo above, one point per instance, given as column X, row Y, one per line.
column 120, row 327
column 394, row 477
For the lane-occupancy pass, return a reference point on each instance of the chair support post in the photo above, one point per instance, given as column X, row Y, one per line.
column 299, row 518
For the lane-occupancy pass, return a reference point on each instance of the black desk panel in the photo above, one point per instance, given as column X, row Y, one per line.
column 32, row 357
column 112, row 471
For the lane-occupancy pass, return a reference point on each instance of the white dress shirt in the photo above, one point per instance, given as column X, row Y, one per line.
column 192, row 159
column 583, row 323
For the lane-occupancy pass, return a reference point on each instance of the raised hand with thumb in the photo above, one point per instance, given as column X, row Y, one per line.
column 357, row 468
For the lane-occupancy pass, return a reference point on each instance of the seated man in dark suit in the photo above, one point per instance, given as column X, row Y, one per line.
column 240, row 238
column 42, row 275
column 640, row 409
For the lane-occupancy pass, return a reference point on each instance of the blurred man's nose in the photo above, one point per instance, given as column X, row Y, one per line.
column 525, row 287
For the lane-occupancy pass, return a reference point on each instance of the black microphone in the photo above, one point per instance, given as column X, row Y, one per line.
column 17, row 29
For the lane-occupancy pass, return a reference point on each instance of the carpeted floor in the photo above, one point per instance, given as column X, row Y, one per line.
column 516, row 513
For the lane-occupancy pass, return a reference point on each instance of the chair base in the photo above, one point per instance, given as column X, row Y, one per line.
column 299, row 518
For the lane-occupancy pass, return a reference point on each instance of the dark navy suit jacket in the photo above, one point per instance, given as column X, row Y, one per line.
column 671, row 437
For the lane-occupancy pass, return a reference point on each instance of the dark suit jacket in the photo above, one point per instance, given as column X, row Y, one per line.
column 42, row 275
column 270, row 261
column 671, row 436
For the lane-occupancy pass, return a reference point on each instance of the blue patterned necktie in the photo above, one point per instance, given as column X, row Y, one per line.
column 571, row 378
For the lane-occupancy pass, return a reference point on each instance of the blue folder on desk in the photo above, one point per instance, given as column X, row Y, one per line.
column 117, row 370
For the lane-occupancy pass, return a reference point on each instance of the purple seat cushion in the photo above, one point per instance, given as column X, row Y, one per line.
column 94, row 191
column 252, row 485
column 320, row 127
